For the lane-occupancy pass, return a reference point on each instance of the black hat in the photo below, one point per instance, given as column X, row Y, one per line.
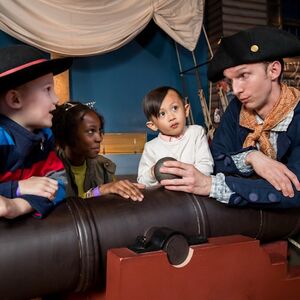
column 253, row 45
column 21, row 63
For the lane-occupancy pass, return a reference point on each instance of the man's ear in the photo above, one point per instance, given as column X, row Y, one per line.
column 187, row 110
column 275, row 69
column 151, row 126
column 13, row 100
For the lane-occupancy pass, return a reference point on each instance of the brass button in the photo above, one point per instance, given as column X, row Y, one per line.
column 254, row 48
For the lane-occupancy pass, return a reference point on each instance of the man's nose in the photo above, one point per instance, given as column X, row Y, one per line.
column 236, row 87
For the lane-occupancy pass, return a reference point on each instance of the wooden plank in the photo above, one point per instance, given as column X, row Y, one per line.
column 234, row 11
column 61, row 83
column 123, row 143
column 261, row 6
column 240, row 20
column 291, row 75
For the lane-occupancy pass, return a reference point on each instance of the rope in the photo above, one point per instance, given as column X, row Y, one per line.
column 295, row 243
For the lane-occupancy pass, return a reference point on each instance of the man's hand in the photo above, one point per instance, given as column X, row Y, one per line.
column 39, row 186
column 275, row 172
column 192, row 181
column 124, row 188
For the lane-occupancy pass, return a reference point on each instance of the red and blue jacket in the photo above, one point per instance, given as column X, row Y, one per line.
column 24, row 154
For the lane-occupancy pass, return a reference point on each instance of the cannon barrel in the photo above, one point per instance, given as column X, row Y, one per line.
column 67, row 250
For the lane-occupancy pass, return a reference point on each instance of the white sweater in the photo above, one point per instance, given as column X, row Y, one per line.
column 192, row 148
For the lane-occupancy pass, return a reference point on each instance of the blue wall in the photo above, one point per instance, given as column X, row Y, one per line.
column 117, row 81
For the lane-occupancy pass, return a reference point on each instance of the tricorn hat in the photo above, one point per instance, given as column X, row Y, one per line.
column 257, row 44
column 20, row 64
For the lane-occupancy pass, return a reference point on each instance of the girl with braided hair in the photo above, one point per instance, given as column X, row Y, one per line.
column 78, row 131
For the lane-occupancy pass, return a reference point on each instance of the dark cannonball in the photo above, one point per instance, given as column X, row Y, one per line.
column 161, row 176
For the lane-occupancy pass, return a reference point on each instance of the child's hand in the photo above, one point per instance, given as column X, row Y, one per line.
column 39, row 186
column 124, row 188
column 12, row 208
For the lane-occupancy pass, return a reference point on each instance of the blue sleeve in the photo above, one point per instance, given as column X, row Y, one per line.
column 228, row 141
column 41, row 205
column 7, row 188
column 61, row 192
column 258, row 193
column 57, row 172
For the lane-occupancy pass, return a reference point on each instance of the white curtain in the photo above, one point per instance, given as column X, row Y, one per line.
column 88, row 27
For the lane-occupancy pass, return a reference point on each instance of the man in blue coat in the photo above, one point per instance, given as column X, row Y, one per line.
column 256, row 148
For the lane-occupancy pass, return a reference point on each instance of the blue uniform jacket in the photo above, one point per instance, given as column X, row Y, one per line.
column 249, row 190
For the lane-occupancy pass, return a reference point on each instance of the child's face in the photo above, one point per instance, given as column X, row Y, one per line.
column 89, row 136
column 172, row 115
column 37, row 99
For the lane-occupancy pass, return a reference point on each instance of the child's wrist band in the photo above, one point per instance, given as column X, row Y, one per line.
column 18, row 192
column 96, row 192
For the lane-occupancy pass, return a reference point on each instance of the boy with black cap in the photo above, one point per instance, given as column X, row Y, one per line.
column 256, row 148
column 32, row 176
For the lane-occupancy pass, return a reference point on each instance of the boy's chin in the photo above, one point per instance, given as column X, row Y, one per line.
column 45, row 124
column 175, row 134
column 40, row 126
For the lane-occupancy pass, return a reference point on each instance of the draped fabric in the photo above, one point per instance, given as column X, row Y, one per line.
column 89, row 27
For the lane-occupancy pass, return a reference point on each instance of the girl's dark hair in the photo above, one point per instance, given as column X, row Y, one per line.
column 66, row 119
column 153, row 100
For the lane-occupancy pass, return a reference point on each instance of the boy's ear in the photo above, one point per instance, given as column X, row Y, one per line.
column 151, row 126
column 187, row 110
column 13, row 100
